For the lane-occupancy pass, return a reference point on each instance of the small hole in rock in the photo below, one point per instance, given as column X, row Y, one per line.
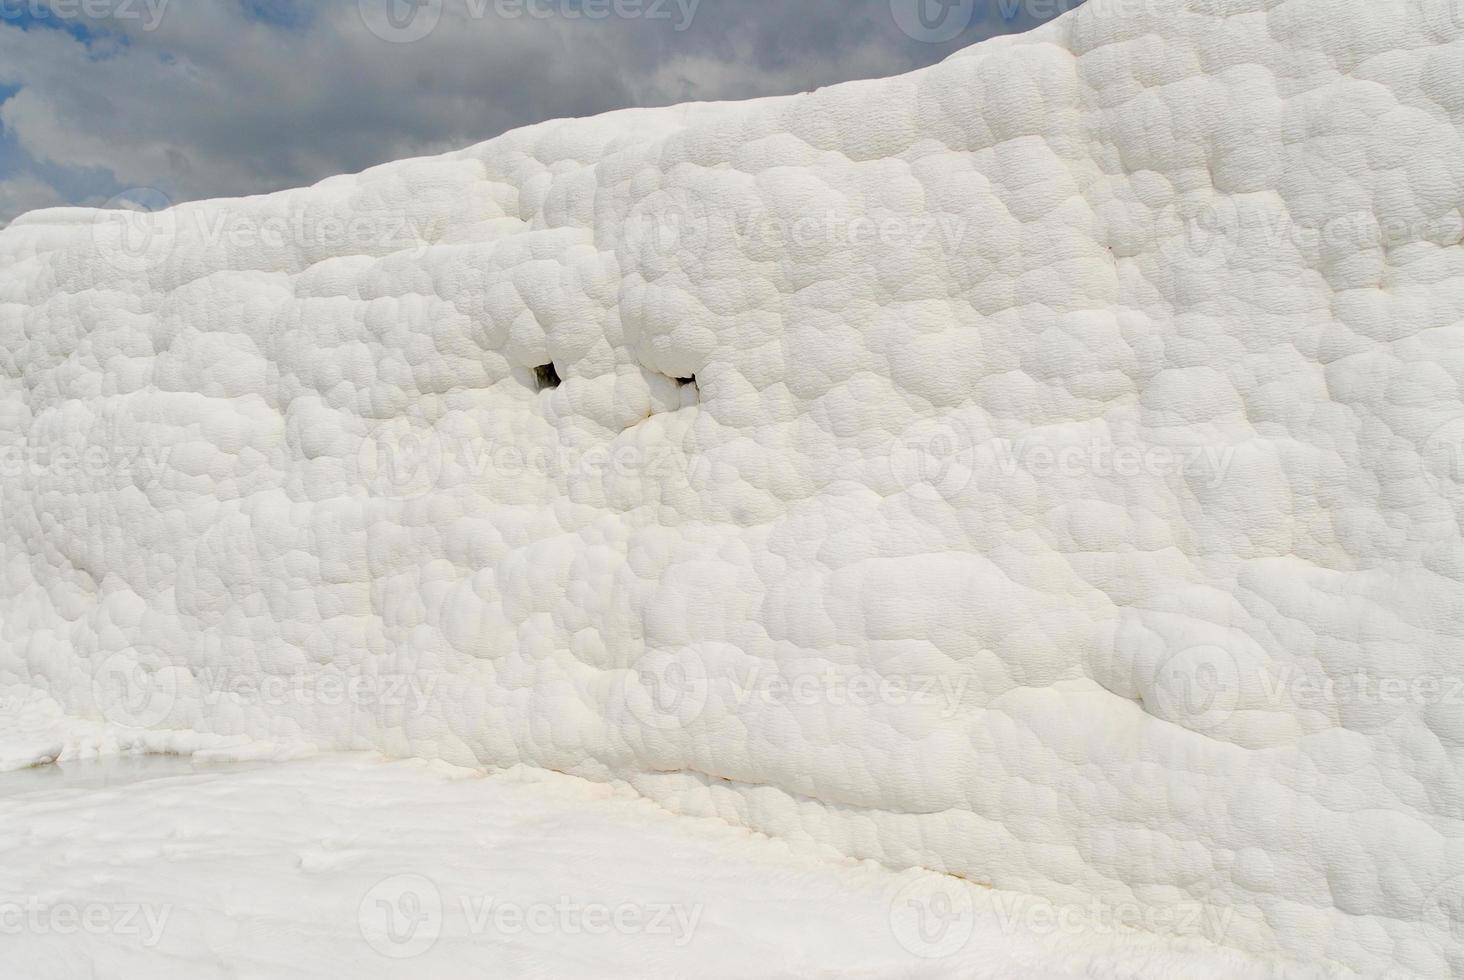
column 547, row 376
column 683, row 382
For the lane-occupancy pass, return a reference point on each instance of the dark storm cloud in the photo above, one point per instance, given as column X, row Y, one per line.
column 202, row 99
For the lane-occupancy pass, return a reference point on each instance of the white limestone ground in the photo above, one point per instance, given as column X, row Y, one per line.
column 1065, row 492
column 346, row 865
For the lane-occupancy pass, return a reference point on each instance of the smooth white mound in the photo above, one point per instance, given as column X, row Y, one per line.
column 345, row 866
column 1072, row 457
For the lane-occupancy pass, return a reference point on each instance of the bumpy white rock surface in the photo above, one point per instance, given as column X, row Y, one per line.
column 1067, row 496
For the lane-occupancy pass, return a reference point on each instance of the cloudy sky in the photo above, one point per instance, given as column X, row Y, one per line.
column 201, row 98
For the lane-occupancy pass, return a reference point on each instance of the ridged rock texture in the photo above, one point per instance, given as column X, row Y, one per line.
column 1044, row 467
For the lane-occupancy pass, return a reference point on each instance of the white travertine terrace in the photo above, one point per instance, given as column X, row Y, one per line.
column 1067, row 497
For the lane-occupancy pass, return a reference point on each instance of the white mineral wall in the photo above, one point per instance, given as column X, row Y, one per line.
column 1068, row 496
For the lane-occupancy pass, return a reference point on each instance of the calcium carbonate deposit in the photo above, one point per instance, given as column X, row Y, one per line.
column 1045, row 468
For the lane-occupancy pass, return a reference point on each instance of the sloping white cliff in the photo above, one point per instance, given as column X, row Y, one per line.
column 1044, row 467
